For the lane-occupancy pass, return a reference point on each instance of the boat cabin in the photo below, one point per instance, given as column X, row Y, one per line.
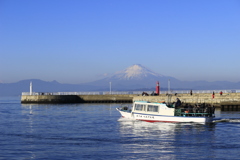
column 152, row 108
column 161, row 108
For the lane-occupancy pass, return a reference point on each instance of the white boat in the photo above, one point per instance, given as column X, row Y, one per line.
column 161, row 112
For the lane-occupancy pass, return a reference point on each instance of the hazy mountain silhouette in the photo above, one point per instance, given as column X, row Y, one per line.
column 16, row 89
column 138, row 76
column 135, row 77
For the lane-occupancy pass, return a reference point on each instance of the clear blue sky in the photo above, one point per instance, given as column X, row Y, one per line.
column 75, row 41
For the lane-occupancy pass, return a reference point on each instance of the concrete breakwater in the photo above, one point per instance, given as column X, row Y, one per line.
column 77, row 98
column 225, row 101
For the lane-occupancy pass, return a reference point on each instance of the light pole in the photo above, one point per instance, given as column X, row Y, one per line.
column 30, row 88
column 110, row 83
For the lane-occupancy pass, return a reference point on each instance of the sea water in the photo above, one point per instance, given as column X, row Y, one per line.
column 97, row 131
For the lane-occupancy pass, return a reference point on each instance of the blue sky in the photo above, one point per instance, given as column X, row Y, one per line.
column 75, row 41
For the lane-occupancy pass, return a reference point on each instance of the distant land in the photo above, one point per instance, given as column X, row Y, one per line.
column 134, row 78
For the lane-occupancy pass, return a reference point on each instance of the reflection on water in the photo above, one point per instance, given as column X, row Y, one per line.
column 140, row 128
column 161, row 130
column 169, row 138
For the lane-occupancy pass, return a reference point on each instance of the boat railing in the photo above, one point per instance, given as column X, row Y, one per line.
column 183, row 112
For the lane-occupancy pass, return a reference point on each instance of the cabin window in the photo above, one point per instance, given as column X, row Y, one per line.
column 152, row 108
column 139, row 107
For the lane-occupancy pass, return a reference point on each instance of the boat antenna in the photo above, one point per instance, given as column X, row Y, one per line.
column 169, row 98
column 169, row 94
column 168, row 86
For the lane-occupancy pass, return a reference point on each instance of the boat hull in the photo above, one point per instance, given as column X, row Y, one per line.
column 163, row 118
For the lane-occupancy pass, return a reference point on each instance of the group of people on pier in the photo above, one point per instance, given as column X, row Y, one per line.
column 213, row 93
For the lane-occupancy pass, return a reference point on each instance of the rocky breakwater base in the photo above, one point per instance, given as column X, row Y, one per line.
column 47, row 99
column 226, row 101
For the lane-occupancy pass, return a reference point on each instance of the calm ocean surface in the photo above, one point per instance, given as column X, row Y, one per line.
column 96, row 131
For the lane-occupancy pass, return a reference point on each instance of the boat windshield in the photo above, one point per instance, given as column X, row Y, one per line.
column 152, row 108
column 139, row 107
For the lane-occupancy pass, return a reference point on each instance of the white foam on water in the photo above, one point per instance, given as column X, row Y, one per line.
column 122, row 119
column 227, row 120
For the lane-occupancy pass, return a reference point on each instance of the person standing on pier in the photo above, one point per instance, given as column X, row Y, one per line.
column 221, row 93
column 213, row 94
column 191, row 92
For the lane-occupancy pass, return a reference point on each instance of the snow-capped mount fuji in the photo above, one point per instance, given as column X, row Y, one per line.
column 134, row 77
column 136, row 72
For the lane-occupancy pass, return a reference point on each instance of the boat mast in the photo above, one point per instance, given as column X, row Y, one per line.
column 169, row 94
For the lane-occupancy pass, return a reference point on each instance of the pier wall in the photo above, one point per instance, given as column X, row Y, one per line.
column 77, row 98
column 195, row 98
column 225, row 101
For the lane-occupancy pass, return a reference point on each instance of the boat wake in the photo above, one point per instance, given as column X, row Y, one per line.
column 235, row 120
column 217, row 120
column 125, row 120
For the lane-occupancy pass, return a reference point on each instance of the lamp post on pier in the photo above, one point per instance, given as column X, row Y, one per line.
column 30, row 88
column 110, row 83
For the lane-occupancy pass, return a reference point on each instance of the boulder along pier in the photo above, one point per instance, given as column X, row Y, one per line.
column 226, row 101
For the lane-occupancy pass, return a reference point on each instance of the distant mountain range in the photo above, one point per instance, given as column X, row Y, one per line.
column 16, row 89
column 135, row 77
